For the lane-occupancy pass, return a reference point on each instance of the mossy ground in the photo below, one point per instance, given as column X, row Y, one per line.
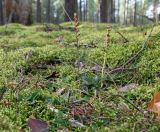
column 30, row 55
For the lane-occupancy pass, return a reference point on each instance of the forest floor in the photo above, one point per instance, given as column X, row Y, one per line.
column 101, row 80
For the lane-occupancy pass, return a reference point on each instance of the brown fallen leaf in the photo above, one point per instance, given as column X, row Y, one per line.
column 154, row 104
column 37, row 125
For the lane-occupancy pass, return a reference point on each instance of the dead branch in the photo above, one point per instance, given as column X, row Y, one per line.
column 125, row 39
column 150, row 19
column 141, row 50
column 136, row 107
column 121, row 69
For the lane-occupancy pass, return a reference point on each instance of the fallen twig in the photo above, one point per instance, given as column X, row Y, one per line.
column 99, row 68
column 136, row 107
column 142, row 48
column 125, row 39
column 121, row 69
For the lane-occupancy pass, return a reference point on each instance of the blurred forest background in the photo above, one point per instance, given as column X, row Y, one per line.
column 135, row 12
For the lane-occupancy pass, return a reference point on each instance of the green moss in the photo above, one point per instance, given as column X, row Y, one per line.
column 29, row 55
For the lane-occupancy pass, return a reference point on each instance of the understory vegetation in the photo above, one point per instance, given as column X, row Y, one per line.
column 101, row 79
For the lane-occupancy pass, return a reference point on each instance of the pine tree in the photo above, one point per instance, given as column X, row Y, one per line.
column 1, row 13
column 48, row 15
column 39, row 10
column 70, row 9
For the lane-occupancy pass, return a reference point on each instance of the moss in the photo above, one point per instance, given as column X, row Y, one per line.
column 29, row 55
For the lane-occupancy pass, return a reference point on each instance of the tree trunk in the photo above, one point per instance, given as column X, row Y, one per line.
column 25, row 12
column 80, row 10
column 49, row 11
column 1, row 13
column 143, row 11
column 135, row 13
column 118, row 14
column 39, row 10
column 109, row 7
column 126, row 12
column 98, row 14
column 85, row 6
column 155, row 5
column 19, row 11
column 11, row 8
column 86, row 10
column 113, row 11
column 70, row 7
column 105, row 10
